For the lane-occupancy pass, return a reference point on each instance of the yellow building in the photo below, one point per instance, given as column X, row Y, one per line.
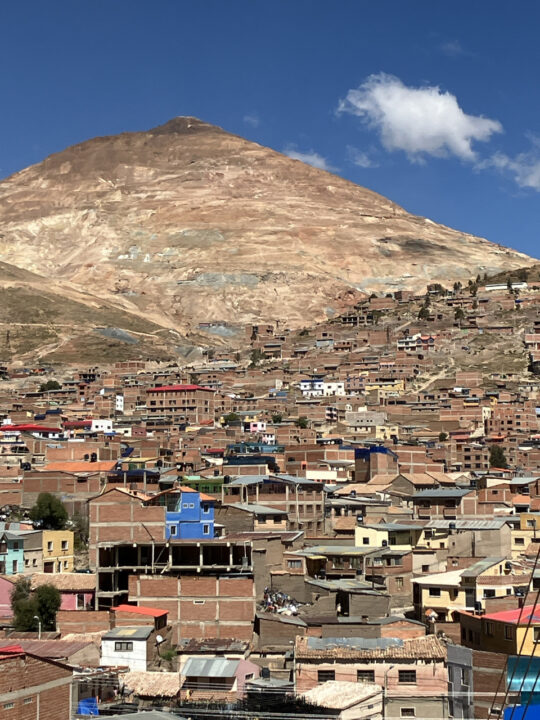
column 58, row 551
column 441, row 593
column 396, row 535
column 503, row 631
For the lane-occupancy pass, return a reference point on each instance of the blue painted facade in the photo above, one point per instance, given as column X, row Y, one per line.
column 11, row 554
column 191, row 517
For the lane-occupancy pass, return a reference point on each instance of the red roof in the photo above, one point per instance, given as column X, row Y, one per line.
column 11, row 650
column 175, row 388
column 29, row 428
column 140, row 610
column 513, row 616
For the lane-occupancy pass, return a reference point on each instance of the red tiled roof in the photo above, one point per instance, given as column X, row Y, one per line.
column 175, row 388
column 140, row 610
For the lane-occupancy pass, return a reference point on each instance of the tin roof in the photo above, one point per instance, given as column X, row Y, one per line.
column 210, row 667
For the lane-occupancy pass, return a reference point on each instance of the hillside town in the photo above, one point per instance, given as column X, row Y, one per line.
column 341, row 520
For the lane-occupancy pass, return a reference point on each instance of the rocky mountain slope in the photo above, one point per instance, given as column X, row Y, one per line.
column 188, row 224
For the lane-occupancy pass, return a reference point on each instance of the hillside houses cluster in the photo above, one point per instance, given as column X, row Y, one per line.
column 318, row 515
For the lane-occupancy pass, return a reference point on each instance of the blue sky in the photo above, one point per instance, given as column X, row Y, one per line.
column 435, row 105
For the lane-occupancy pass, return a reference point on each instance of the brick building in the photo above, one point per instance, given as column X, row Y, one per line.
column 32, row 688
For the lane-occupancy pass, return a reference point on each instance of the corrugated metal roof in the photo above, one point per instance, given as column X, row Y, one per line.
column 492, row 524
column 443, row 492
column 210, row 667
column 258, row 509
column 481, row 566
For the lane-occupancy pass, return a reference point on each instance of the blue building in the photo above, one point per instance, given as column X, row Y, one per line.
column 189, row 515
column 11, row 553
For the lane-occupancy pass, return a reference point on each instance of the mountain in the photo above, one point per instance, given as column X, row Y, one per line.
column 46, row 320
column 187, row 224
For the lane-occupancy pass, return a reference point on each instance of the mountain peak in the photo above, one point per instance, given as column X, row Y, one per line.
column 182, row 124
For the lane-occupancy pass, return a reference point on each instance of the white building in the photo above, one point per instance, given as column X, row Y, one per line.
column 127, row 646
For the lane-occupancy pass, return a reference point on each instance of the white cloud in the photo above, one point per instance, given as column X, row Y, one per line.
column 310, row 157
column 453, row 48
column 360, row 158
column 418, row 120
column 524, row 167
column 252, row 119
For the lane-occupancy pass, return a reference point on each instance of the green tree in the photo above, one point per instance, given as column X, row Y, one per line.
column 302, row 422
column 277, row 418
column 256, row 357
column 424, row 313
column 44, row 603
column 80, row 529
column 231, row 418
column 48, row 601
column 443, row 437
column 497, row 458
column 49, row 385
column 459, row 315
column 49, row 511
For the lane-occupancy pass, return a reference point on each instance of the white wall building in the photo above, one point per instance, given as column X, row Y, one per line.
column 126, row 646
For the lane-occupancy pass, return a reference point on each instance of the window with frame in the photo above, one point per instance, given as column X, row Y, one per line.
column 536, row 634
column 365, row 676
column 489, row 593
column 509, row 632
column 326, row 675
column 399, row 583
column 49, row 546
column 519, row 541
column 65, row 544
column 295, row 564
column 407, row 676
column 434, row 592
column 206, row 529
column 407, row 712
column 489, row 629
column 123, row 646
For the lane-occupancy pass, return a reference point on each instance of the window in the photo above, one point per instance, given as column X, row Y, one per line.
column 122, row 646
column 519, row 541
column 509, row 632
column 365, row 541
column 489, row 593
column 34, row 562
column 173, row 529
column 294, row 564
column 27, row 701
column 489, row 629
column 191, row 506
column 49, row 546
column 199, row 602
column 16, row 545
column 434, row 592
column 65, row 564
column 399, row 583
column 15, row 566
column 206, row 508
column 425, row 568
column 365, row 675
column 407, row 712
column 407, row 676
column 64, row 544
column 536, row 634
column 9, row 706
column 326, row 675
column 206, row 529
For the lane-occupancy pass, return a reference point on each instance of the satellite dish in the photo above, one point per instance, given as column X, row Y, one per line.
column 159, row 639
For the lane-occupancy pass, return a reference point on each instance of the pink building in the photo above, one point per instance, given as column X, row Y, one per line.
column 77, row 590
